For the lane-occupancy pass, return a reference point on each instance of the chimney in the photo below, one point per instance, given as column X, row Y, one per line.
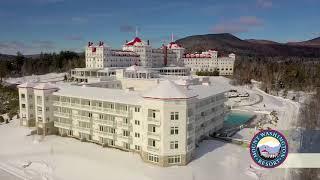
column 126, row 41
column 165, row 55
column 89, row 44
column 148, row 42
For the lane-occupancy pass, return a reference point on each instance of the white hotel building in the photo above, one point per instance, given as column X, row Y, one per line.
column 160, row 119
column 163, row 118
column 102, row 61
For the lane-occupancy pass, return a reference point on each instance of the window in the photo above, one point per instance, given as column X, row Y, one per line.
column 126, row 133
column 136, row 109
column 174, row 130
column 137, row 135
column 152, row 142
column 126, row 120
column 136, row 122
column 30, row 96
column 174, row 115
column 153, row 158
column 23, row 96
column 47, row 108
column 23, row 106
column 39, row 99
column 126, row 145
column 174, row 145
column 151, row 128
column 39, row 109
column 100, row 116
column 136, row 147
column 154, row 114
column 174, row 159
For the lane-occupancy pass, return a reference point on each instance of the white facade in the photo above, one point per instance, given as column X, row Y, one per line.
column 209, row 61
column 163, row 120
column 101, row 56
column 150, row 57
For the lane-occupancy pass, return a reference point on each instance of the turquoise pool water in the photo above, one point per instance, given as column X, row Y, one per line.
column 236, row 119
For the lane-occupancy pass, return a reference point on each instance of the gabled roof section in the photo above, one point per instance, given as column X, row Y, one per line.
column 135, row 42
column 173, row 45
column 167, row 90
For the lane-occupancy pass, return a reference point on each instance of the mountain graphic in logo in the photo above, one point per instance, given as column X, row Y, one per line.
column 268, row 148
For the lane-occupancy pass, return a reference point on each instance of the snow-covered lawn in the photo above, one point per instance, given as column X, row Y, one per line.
column 59, row 158
column 51, row 77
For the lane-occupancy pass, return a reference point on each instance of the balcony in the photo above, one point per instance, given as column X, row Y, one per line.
column 105, row 122
column 154, row 121
column 61, row 114
column 127, row 126
column 62, row 125
column 127, row 139
column 106, row 134
column 153, row 149
column 154, row 135
column 56, row 103
column 84, row 129
column 81, row 118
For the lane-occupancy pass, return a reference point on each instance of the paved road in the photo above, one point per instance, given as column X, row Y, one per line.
column 7, row 176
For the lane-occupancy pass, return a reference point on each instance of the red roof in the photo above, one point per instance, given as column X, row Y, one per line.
column 135, row 40
column 173, row 44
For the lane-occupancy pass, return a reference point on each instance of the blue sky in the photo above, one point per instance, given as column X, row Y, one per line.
column 32, row 26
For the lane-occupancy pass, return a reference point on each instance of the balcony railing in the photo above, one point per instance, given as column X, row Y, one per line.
column 61, row 114
column 154, row 135
column 62, row 125
column 126, row 138
column 81, row 118
column 155, row 121
column 104, row 122
column 106, row 134
column 84, row 129
column 152, row 148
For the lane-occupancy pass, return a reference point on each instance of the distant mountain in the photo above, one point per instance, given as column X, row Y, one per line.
column 313, row 42
column 261, row 41
column 6, row 57
column 227, row 43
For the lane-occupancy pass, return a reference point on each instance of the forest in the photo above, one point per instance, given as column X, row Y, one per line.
column 21, row 65
column 276, row 73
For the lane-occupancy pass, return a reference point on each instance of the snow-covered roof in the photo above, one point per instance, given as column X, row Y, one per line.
column 45, row 86
column 169, row 90
column 101, row 94
column 136, row 68
column 27, row 85
column 136, row 42
column 204, row 91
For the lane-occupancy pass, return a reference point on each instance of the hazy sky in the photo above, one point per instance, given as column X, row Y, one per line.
column 32, row 26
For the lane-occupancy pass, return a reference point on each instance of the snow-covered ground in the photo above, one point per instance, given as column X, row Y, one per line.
column 59, row 158
column 51, row 77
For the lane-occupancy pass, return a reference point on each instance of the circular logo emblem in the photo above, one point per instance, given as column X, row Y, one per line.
column 269, row 148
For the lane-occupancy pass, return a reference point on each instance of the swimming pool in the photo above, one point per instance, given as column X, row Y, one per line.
column 235, row 119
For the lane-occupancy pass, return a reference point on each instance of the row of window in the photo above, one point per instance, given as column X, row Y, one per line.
column 171, row 159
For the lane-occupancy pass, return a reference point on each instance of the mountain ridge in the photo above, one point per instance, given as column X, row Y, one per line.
column 227, row 43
